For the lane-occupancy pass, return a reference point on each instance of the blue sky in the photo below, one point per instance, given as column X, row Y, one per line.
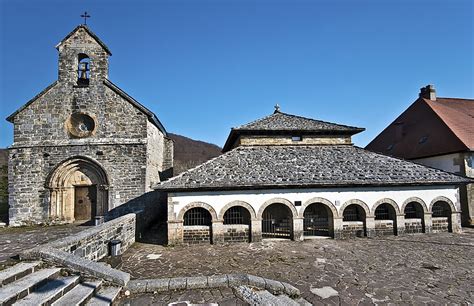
column 205, row 66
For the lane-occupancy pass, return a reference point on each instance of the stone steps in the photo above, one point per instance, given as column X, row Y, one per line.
column 17, row 271
column 24, row 284
column 79, row 295
column 50, row 291
column 105, row 296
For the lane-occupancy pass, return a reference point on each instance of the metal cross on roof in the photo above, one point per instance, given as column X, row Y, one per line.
column 85, row 16
column 277, row 108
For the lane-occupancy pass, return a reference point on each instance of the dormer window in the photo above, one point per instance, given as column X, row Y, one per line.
column 296, row 138
column 83, row 69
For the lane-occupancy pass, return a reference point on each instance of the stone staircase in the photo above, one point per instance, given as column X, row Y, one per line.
column 29, row 283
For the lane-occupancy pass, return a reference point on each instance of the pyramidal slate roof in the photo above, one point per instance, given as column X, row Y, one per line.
column 271, row 167
column 283, row 123
column 279, row 121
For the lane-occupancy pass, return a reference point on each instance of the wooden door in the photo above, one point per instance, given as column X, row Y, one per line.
column 85, row 200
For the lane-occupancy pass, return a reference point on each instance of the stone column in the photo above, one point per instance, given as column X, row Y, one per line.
column 337, row 228
column 400, row 224
column 217, row 232
column 175, row 232
column 298, row 229
column 428, row 222
column 370, row 226
column 456, row 222
column 256, row 230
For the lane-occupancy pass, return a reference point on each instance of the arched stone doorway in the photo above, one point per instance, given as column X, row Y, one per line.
column 441, row 217
column 277, row 221
column 385, row 220
column 318, row 220
column 354, row 221
column 414, row 218
column 78, row 190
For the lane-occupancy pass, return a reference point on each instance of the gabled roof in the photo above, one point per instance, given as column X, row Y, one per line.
column 458, row 115
column 279, row 122
column 429, row 128
column 271, row 167
column 44, row 91
column 151, row 116
column 84, row 27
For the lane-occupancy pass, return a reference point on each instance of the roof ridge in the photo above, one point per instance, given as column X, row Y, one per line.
column 252, row 122
column 447, row 98
column 318, row 120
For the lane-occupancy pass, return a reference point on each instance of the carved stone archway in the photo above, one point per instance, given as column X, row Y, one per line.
column 65, row 181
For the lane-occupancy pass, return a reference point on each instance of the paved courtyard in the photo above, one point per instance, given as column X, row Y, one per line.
column 15, row 240
column 435, row 268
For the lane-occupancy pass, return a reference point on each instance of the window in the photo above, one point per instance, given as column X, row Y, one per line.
column 237, row 215
column 197, row 216
column 83, row 69
column 296, row 138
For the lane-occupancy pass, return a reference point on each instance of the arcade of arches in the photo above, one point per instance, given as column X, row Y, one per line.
column 199, row 222
column 78, row 191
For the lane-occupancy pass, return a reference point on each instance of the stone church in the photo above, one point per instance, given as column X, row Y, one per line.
column 83, row 148
column 290, row 177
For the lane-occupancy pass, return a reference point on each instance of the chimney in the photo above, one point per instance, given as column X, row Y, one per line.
column 428, row 92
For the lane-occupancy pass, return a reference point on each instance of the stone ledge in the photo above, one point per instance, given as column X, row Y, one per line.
column 99, row 270
column 215, row 281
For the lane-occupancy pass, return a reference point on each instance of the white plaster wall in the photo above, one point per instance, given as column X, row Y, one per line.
column 449, row 162
column 337, row 196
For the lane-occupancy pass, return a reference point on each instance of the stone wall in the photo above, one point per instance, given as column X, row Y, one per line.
column 29, row 169
column 122, row 139
column 93, row 243
column 384, row 228
column 413, row 226
column 440, row 224
column 196, row 234
column 236, row 233
column 252, row 140
column 352, row 229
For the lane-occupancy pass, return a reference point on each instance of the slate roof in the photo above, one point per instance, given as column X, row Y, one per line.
column 281, row 123
column 270, row 167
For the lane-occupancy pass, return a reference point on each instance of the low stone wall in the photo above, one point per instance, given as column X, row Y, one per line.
column 209, row 282
column 440, row 224
column 195, row 234
column 413, row 226
column 236, row 233
column 352, row 229
column 384, row 228
column 93, row 243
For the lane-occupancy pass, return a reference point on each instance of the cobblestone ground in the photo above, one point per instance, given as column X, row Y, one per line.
column 14, row 240
column 415, row 269
column 222, row 297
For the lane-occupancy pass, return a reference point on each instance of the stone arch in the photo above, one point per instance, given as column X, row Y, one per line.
column 63, row 183
column 197, row 204
column 388, row 201
column 357, row 202
column 280, row 201
column 324, row 201
column 250, row 209
column 414, row 199
column 443, row 199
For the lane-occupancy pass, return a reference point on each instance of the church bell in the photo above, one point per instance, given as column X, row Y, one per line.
column 83, row 68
